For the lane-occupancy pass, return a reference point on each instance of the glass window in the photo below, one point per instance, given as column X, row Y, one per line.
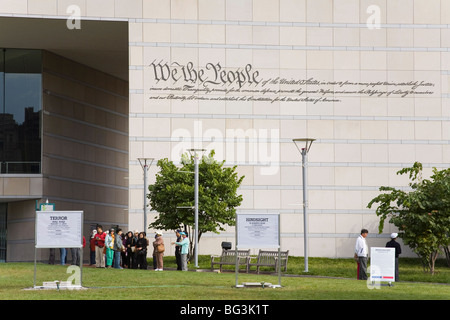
column 20, row 138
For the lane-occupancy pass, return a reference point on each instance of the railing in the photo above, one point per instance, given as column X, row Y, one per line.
column 18, row 167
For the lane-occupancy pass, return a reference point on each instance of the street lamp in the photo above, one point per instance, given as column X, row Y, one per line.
column 195, row 153
column 145, row 166
column 299, row 143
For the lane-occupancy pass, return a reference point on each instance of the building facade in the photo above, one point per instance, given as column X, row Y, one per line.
column 129, row 79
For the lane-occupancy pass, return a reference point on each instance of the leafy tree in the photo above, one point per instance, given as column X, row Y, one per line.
column 172, row 196
column 421, row 215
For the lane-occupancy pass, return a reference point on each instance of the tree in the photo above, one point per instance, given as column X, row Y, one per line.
column 172, row 196
column 421, row 215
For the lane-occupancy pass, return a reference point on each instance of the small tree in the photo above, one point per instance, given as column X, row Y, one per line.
column 172, row 196
column 422, row 215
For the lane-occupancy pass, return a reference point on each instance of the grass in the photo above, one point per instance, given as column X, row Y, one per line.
column 410, row 269
column 328, row 279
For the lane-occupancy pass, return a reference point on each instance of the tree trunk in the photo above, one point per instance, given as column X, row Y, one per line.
column 190, row 230
column 433, row 257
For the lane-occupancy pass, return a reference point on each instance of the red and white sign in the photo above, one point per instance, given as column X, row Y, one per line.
column 382, row 264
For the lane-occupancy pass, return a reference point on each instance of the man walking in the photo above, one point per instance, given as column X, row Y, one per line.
column 398, row 250
column 361, row 254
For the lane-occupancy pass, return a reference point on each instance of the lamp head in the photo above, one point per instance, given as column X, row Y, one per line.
column 143, row 162
column 306, row 142
column 195, row 152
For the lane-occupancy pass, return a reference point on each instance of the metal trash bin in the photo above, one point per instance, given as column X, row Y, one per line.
column 226, row 245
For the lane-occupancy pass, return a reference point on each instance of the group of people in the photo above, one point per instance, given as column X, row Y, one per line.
column 362, row 253
column 114, row 249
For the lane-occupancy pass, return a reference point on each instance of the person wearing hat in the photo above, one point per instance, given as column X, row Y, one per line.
column 398, row 250
column 184, row 243
column 158, row 251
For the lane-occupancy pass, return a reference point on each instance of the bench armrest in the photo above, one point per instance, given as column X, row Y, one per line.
column 213, row 257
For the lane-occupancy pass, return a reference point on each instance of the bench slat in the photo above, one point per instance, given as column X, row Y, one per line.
column 270, row 259
column 228, row 257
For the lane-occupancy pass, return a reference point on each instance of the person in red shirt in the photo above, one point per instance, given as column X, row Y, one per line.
column 99, row 245
column 92, row 247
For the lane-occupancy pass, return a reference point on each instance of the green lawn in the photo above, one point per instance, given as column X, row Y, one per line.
column 328, row 279
column 410, row 268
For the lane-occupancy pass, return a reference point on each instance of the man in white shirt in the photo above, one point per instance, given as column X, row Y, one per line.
column 361, row 254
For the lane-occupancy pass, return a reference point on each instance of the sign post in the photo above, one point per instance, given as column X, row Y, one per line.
column 258, row 231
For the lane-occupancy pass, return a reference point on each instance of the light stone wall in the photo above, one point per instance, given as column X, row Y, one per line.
column 361, row 141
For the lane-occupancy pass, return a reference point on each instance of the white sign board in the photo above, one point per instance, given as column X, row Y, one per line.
column 382, row 264
column 258, row 230
column 59, row 229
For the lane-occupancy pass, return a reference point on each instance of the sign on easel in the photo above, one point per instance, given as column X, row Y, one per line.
column 258, row 231
column 382, row 264
column 59, row 229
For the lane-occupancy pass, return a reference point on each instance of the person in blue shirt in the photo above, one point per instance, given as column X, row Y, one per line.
column 184, row 244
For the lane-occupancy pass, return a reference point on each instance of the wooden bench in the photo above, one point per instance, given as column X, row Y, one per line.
column 270, row 259
column 228, row 257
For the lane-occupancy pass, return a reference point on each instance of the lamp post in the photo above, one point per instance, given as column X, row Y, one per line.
column 307, row 142
column 195, row 154
column 145, row 166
